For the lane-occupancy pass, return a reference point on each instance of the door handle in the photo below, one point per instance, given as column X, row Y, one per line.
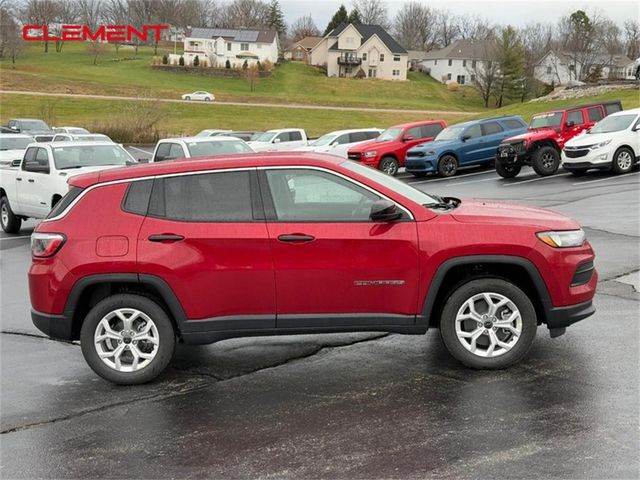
column 31, row 180
column 18, row 179
column 296, row 238
column 165, row 237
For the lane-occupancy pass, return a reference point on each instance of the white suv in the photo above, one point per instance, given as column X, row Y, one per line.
column 611, row 144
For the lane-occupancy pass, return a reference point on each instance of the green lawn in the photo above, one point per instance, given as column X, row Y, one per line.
column 71, row 71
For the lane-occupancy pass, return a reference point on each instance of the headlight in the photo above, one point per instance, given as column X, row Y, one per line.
column 430, row 153
column 600, row 145
column 563, row 239
column 370, row 154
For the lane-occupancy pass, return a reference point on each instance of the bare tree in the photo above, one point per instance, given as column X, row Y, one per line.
column 11, row 42
column 68, row 14
column 414, row 26
column 304, row 27
column 94, row 49
column 579, row 38
column 537, row 40
column 372, row 12
column 41, row 12
column 632, row 39
column 474, row 27
column 244, row 14
column 448, row 28
column 485, row 73
column 252, row 76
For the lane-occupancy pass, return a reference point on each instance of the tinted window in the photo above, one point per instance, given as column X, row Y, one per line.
column 284, row 137
column 612, row 108
column 360, row 136
column 65, row 201
column 595, row 114
column 309, row 195
column 431, row 131
column 162, row 152
column 415, row 132
column 175, row 151
column 217, row 147
column 14, row 143
column 576, row 117
column 210, row 197
column 491, row 128
column 29, row 156
column 513, row 124
column 473, row 131
column 137, row 199
column 295, row 136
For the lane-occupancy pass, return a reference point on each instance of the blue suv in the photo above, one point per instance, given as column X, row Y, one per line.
column 468, row 143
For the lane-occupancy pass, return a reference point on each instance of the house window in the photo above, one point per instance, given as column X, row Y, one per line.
column 382, row 57
column 396, row 73
column 435, row 62
column 192, row 43
column 350, row 40
column 244, row 47
column 464, row 63
column 259, row 45
column 228, row 46
column 448, row 76
column 572, row 68
column 450, row 62
column 364, row 57
column 373, row 73
column 473, row 78
column 396, row 58
column 549, row 70
column 473, row 64
column 460, row 79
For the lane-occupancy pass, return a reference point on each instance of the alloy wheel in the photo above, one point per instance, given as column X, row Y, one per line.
column 488, row 324
column 126, row 340
column 547, row 161
column 4, row 215
column 624, row 160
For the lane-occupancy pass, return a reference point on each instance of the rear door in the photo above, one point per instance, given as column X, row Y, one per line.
column 205, row 235
column 333, row 265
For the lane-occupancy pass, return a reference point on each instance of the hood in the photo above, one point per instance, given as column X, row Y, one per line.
column 306, row 148
column 585, row 139
column 536, row 134
column 374, row 144
column 438, row 144
column 478, row 211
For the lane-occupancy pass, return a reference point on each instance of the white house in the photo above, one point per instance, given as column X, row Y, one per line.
column 458, row 61
column 217, row 45
column 348, row 48
column 560, row 68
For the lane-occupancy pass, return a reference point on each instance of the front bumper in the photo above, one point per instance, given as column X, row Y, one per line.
column 562, row 317
column 54, row 326
column 594, row 159
column 420, row 165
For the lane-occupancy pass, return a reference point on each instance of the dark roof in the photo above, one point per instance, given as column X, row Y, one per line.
column 367, row 31
column 235, row 34
column 463, row 49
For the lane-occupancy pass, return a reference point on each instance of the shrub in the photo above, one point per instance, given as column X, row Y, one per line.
column 268, row 66
column 196, row 61
column 453, row 86
column 137, row 124
column 245, row 65
column 165, row 59
column 360, row 74
column 260, row 66
column 227, row 64
column 181, row 61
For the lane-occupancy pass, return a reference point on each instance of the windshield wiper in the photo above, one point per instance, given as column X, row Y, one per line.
column 444, row 203
column 69, row 168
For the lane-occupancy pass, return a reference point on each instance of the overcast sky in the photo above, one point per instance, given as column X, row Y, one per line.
column 515, row 12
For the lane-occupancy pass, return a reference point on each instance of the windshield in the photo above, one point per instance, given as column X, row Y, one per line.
column 93, row 138
column 75, row 130
column 546, row 120
column 90, row 156
column 617, row 123
column 392, row 183
column 324, row 140
column 264, row 137
column 219, row 147
column 14, row 143
column 450, row 133
column 33, row 125
column 389, row 134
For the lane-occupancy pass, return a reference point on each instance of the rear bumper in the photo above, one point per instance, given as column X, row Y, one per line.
column 54, row 326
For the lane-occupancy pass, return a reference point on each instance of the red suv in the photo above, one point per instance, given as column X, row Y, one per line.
column 388, row 151
column 132, row 260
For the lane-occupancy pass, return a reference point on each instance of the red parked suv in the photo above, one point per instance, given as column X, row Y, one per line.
column 133, row 260
column 388, row 151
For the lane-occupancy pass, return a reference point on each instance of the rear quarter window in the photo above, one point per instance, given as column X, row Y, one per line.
column 65, row 201
column 514, row 124
column 137, row 197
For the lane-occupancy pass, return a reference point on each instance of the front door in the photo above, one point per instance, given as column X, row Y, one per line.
column 206, row 237
column 34, row 184
column 333, row 265
column 473, row 145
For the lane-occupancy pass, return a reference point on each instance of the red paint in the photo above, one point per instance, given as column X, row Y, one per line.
column 82, row 33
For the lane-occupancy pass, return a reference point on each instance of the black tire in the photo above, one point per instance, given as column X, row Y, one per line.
column 495, row 286
column 545, row 161
column 623, row 161
column 389, row 165
column 207, row 99
column 166, row 338
column 447, row 166
column 507, row 171
column 419, row 174
column 187, row 98
column 578, row 173
column 10, row 222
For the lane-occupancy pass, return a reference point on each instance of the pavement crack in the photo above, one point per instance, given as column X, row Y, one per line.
column 601, row 230
column 40, row 337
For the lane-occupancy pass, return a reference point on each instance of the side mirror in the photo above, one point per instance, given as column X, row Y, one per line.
column 36, row 167
column 384, row 211
column 464, row 138
column 407, row 138
column 569, row 124
column 16, row 163
column 143, row 160
column 13, row 127
column 276, row 140
column 636, row 128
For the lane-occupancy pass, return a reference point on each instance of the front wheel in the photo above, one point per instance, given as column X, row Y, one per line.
column 10, row 222
column 187, row 98
column 623, row 160
column 546, row 161
column 389, row 165
column 448, row 166
column 127, row 339
column 507, row 171
column 207, row 99
column 488, row 323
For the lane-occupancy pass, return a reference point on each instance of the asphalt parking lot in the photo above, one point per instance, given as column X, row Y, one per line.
column 348, row 406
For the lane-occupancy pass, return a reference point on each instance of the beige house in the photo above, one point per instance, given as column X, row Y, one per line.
column 301, row 50
column 347, row 49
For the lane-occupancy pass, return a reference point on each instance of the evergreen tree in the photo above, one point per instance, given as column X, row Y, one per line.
column 354, row 17
column 341, row 16
column 510, row 55
column 275, row 18
column 196, row 61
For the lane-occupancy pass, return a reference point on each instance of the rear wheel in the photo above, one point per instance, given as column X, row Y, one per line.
column 389, row 165
column 10, row 222
column 187, row 98
column 507, row 171
column 488, row 323
column 207, row 99
column 623, row 160
column 546, row 161
column 448, row 166
column 127, row 339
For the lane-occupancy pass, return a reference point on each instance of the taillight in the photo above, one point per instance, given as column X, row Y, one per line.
column 46, row 244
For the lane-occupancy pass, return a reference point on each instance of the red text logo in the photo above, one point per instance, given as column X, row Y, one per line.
column 82, row 33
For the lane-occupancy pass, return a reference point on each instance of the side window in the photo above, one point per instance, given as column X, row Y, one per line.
column 576, row 117
column 162, row 152
column 372, row 134
column 209, row 197
column 415, row 132
column 431, row 131
column 29, row 156
column 342, row 139
column 358, row 137
column 137, row 198
column 473, row 132
column 40, row 162
column 513, row 124
column 283, row 137
column 595, row 114
column 491, row 128
column 176, row 151
column 309, row 195
column 295, row 136
column 612, row 108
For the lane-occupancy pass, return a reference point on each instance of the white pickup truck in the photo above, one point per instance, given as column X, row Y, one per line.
column 281, row 140
column 31, row 188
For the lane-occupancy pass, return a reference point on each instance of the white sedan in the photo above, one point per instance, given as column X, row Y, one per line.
column 339, row 142
column 200, row 95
